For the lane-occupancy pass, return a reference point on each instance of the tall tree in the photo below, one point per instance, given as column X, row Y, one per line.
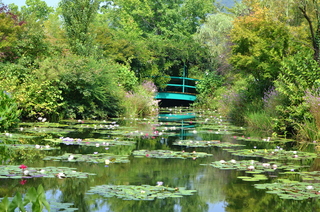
column 78, row 15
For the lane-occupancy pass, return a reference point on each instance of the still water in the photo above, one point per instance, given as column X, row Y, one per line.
column 216, row 190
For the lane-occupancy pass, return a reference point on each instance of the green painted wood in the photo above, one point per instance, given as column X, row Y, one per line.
column 178, row 85
column 177, row 96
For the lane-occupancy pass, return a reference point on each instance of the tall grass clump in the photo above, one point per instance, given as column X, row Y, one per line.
column 259, row 123
column 309, row 131
column 140, row 102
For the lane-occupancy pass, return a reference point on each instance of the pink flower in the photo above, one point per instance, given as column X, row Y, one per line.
column 147, row 155
column 22, row 182
column 22, row 166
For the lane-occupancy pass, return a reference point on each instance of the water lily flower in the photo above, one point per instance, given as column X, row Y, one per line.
column 22, row 166
column 142, row 191
column 147, row 155
column 22, row 182
column 26, row 172
column 309, row 187
column 107, row 161
column 38, row 146
column 233, row 161
column 159, row 183
column 97, row 144
column 274, row 166
column 70, row 157
column 250, row 168
column 61, row 175
column 266, row 165
column 47, row 146
column 222, row 161
column 95, row 153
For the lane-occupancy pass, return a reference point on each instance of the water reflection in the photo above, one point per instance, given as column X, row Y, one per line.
column 217, row 190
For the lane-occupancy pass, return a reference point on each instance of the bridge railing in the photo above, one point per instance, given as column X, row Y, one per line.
column 181, row 85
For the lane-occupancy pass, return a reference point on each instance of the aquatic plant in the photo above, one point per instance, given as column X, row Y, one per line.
column 216, row 143
column 287, row 189
column 34, row 196
column 169, row 154
column 90, row 158
column 273, row 154
column 139, row 192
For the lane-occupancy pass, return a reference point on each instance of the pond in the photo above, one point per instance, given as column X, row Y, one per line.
column 181, row 160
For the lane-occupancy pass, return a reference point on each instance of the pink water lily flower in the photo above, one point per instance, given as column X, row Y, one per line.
column 22, row 166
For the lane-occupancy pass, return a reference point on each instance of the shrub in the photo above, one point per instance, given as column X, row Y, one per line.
column 89, row 88
column 9, row 113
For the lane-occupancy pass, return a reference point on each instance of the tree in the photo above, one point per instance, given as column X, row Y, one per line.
column 10, row 30
column 39, row 9
column 78, row 15
column 260, row 42
column 166, row 29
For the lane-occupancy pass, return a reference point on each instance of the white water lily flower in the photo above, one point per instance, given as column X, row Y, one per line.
column 107, row 161
column 61, row 175
column 309, row 187
column 159, row 183
column 250, row 168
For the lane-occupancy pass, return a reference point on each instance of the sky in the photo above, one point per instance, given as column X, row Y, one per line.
column 51, row 3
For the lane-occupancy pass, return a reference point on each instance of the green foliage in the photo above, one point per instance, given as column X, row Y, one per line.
column 9, row 112
column 206, row 89
column 35, row 95
column 10, row 30
column 298, row 74
column 126, row 78
column 38, row 8
column 160, row 33
column 78, row 15
column 34, row 196
column 259, row 123
column 89, row 88
column 260, row 44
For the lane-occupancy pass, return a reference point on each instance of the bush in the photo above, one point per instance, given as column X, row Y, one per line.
column 89, row 88
column 35, row 94
column 9, row 113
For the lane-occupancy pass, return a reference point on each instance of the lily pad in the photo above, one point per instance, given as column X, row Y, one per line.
column 250, row 166
column 310, row 176
column 274, row 154
column 91, row 158
column 11, row 171
column 292, row 189
column 191, row 143
column 29, row 146
column 91, row 141
column 169, row 154
column 142, row 192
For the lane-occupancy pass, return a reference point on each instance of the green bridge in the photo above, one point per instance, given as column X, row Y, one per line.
column 180, row 89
